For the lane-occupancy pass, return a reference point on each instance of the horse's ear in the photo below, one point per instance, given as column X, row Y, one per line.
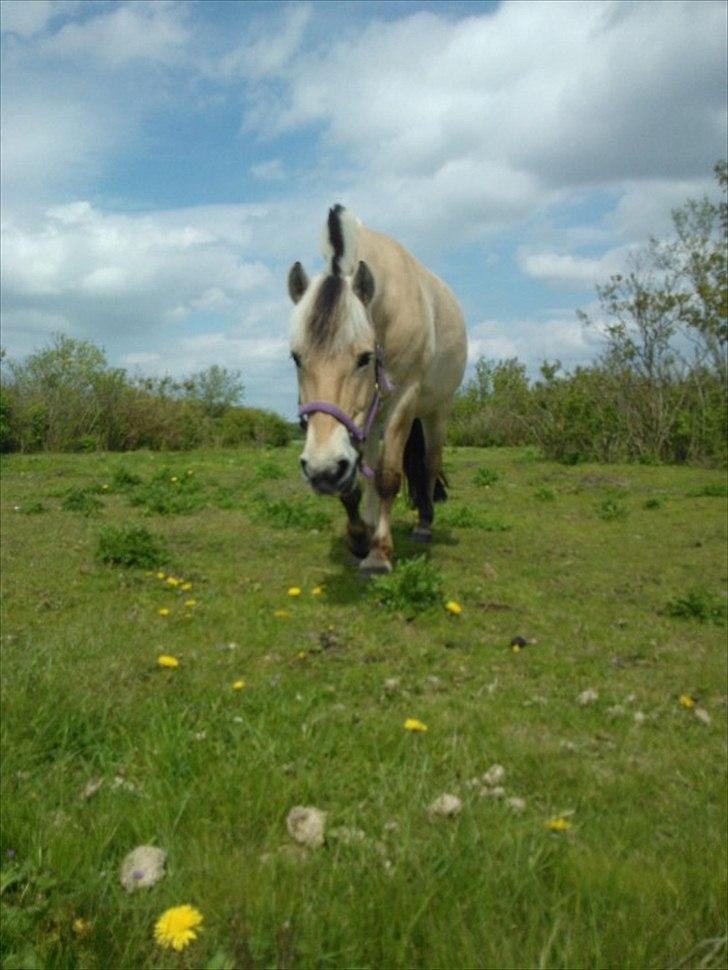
column 297, row 282
column 363, row 283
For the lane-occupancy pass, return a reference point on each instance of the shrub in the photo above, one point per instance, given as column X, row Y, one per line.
column 124, row 480
column 131, row 546
column 611, row 509
column 413, row 586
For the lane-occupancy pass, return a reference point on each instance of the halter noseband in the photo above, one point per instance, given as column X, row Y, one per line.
column 381, row 382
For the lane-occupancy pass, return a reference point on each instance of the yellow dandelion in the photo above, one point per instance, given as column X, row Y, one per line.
column 281, row 614
column 557, row 824
column 238, row 685
column 161, row 575
column 186, row 587
column 190, row 603
column 165, row 660
column 104, row 488
column 516, row 648
column 164, row 611
column 414, row 724
column 687, row 701
column 177, row 927
column 302, row 654
column 317, row 591
column 452, row 606
column 81, row 926
column 294, row 591
column 173, row 581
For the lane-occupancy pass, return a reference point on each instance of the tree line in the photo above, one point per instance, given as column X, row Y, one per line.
column 657, row 390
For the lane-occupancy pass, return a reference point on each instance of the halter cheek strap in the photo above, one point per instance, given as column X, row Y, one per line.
column 359, row 434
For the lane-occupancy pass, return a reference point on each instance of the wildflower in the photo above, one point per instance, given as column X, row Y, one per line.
column 165, row 660
column 238, row 685
column 281, row 614
column 81, row 926
column 163, row 611
column 173, row 581
column 452, row 606
column 190, row 603
column 317, row 591
column 413, row 724
column 186, row 587
column 302, row 654
column 294, row 591
column 161, row 575
column 174, row 478
column 104, row 488
column 687, row 701
column 176, row 927
column 557, row 824
column 516, row 648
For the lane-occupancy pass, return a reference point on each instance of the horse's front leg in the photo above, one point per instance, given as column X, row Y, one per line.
column 387, row 481
column 357, row 533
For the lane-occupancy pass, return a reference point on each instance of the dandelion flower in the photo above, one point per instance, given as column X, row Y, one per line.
column 186, row 587
column 238, row 685
column 81, row 926
column 294, row 591
column 177, row 927
column 687, row 701
column 302, row 654
column 557, row 824
column 190, row 603
column 452, row 606
column 413, row 724
column 281, row 614
column 173, row 581
column 515, row 648
column 317, row 591
column 161, row 575
column 163, row 611
column 165, row 660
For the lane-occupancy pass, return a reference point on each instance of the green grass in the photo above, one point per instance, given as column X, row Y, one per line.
column 209, row 773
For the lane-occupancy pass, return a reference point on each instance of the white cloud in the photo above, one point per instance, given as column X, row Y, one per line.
column 570, row 270
column 272, row 170
column 533, row 341
column 24, row 18
column 266, row 54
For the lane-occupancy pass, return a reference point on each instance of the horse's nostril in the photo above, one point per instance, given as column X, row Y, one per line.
column 343, row 468
column 304, row 466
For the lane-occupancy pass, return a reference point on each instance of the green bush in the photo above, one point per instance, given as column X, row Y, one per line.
column 131, row 546
column 412, row 587
column 81, row 500
column 698, row 604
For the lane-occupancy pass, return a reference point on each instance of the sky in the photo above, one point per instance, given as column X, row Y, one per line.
column 164, row 163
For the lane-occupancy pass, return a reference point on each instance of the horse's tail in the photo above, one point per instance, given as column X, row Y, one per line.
column 415, row 470
column 338, row 241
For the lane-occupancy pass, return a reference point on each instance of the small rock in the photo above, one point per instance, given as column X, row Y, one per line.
column 702, row 715
column 517, row 804
column 587, row 697
column 639, row 717
column 347, row 835
column 494, row 775
column 497, row 792
column 519, row 642
column 142, row 868
column 91, row 788
column 306, row 825
column 446, row 806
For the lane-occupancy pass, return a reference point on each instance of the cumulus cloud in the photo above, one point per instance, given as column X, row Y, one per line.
column 534, row 340
column 571, row 270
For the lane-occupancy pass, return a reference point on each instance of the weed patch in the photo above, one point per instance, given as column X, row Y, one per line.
column 288, row 514
column 123, row 480
column 545, row 494
column 81, row 500
column 169, row 494
column 131, row 546
column 466, row 517
column 412, row 587
column 698, row 604
column 612, row 510
column 485, row 476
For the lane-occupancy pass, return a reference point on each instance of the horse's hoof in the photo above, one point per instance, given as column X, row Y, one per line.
column 421, row 535
column 358, row 549
column 374, row 566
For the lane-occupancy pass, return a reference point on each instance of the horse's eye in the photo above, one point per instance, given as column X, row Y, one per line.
column 363, row 359
column 296, row 359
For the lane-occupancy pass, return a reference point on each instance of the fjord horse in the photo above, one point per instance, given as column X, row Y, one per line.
column 379, row 345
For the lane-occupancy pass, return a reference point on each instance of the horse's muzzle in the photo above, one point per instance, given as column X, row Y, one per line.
column 330, row 481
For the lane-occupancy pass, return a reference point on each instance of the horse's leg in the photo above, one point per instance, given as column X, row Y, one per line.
column 357, row 534
column 387, row 480
column 434, row 427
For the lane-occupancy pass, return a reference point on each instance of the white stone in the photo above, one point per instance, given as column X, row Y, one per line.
column 446, row 806
column 497, row 792
column 494, row 775
column 142, row 868
column 587, row 697
column 306, row 825
column 702, row 715
column 517, row 804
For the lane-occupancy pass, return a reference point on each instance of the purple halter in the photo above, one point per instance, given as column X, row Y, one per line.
column 381, row 382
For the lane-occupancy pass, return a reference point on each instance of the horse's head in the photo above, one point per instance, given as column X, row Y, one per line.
column 333, row 347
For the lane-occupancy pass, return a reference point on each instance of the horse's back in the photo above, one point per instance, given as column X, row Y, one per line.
column 417, row 317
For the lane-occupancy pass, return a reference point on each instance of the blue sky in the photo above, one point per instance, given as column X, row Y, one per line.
column 164, row 163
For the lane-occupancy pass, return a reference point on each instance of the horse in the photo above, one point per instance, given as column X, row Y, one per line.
column 379, row 346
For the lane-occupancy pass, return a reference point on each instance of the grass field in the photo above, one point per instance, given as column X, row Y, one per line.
column 616, row 573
